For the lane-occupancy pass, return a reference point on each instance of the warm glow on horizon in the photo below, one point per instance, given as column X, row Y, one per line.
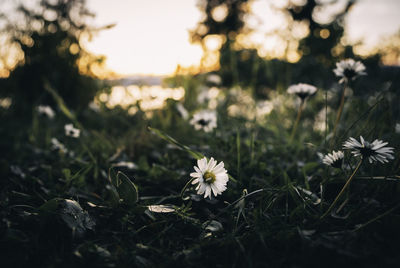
column 150, row 37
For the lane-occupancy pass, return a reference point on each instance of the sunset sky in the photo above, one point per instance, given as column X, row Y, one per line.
column 151, row 37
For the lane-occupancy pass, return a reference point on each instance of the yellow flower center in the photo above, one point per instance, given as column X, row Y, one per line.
column 209, row 177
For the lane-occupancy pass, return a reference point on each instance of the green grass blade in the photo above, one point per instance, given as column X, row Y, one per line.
column 169, row 139
column 61, row 104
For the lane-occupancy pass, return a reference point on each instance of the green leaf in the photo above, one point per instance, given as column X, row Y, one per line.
column 127, row 190
column 112, row 177
column 114, row 196
column 112, row 187
column 50, row 206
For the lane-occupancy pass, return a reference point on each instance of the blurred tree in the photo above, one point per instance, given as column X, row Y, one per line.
column 389, row 49
column 325, row 23
column 48, row 35
column 223, row 20
column 318, row 49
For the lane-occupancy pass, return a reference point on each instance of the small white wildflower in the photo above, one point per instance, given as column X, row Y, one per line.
column 126, row 164
column 203, row 96
column 302, row 90
column 213, row 226
column 335, row 159
column 210, row 177
column 94, row 106
column 17, row 171
column 182, row 111
column 214, row 79
column 263, row 108
column 205, row 120
column 56, row 145
column 70, row 131
column 375, row 151
column 349, row 69
column 397, row 128
column 209, row 96
column 5, row 102
column 46, row 110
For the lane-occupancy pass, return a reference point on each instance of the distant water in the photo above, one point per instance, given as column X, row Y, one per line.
column 147, row 97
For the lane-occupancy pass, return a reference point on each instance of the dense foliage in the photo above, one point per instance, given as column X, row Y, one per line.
column 112, row 197
column 48, row 37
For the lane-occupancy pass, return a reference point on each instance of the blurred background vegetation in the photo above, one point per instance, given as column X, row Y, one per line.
column 48, row 37
column 314, row 51
column 42, row 44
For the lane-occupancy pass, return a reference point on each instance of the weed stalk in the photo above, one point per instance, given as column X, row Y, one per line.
column 296, row 123
column 342, row 191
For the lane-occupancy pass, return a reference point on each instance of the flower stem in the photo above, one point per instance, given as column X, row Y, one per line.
column 342, row 191
column 185, row 187
column 339, row 113
column 326, row 115
column 297, row 120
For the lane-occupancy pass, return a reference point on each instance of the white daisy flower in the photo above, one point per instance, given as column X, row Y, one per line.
column 375, row 151
column 46, row 110
column 56, row 145
column 349, row 69
column 205, row 120
column 210, row 177
column 302, row 90
column 335, row 159
column 70, row 131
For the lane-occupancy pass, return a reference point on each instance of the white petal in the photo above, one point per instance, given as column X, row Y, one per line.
column 214, row 189
column 195, row 175
column 202, row 189
column 211, row 164
column 202, row 164
column 208, row 192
